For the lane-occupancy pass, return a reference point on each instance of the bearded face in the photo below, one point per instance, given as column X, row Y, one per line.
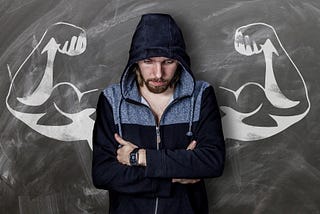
column 157, row 73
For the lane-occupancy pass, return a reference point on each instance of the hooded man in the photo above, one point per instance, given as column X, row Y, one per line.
column 158, row 132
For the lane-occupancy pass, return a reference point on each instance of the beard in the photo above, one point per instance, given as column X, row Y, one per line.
column 157, row 89
column 163, row 84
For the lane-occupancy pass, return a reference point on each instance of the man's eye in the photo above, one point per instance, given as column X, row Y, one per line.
column 147, row 61
column 169, row 61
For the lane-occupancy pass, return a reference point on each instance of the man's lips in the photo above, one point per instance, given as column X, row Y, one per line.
column 158, row 83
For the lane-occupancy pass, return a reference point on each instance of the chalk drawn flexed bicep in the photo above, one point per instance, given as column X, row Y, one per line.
column 254, row 39
column 261, row 38
column 61, row 38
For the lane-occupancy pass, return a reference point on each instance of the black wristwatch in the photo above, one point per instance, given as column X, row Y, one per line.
column 134, row 157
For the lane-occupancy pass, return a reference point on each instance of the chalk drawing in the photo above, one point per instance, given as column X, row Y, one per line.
column 233, row 121
column 246, row 43
column 82, row 125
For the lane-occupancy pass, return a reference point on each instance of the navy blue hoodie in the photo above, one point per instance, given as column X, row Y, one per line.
column 193, row 114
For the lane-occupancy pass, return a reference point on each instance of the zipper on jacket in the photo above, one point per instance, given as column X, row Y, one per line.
column 156, row 209
column 158, row 147
column 158, row 139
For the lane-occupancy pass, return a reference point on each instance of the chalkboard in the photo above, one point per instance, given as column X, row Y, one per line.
column 262, row 57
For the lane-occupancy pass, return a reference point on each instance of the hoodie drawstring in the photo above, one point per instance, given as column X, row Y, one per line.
column 189, row 133
column 119, row 117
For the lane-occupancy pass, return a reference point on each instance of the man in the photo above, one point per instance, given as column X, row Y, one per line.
column 158, row 132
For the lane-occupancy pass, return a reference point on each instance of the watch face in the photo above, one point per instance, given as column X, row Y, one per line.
column 133, row 158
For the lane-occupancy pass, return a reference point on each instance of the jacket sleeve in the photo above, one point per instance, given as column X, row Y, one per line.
column 206, row 160
column 107, row 172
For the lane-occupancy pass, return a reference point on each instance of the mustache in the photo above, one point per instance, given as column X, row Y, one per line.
column 157, row 80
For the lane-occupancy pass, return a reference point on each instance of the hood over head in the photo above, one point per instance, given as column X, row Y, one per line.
column 157, row 35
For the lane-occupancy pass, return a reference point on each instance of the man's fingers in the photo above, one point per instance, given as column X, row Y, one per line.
column 192, row 145
column 190, row 181
column 196, row 181
column 120, row 140
column 123, row 142
column 185, row 181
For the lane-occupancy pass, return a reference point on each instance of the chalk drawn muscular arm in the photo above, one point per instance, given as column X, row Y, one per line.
column 61, row 37
column 66, row 39
column 260, row 38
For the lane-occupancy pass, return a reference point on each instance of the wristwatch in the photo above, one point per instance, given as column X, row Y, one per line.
column 134, row 157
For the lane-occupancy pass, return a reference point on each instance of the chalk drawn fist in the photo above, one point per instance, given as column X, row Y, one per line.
column 254, row 38
column 66, row 38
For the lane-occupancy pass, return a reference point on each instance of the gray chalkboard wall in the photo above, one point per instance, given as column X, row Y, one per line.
column 262, row 57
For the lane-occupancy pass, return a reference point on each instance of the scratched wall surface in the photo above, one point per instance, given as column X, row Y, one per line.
column 261, row 56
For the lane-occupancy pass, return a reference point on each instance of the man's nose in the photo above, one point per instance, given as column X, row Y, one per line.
column 158, row 70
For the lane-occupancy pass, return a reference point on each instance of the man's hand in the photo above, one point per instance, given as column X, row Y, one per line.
column 185, row 180
column 191, row 146
column 124, row 151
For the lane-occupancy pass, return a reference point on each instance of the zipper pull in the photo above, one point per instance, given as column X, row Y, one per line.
column 158, row 135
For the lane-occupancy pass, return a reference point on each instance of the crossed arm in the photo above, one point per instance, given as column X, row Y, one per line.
column 124, row 151
column 158, row 168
